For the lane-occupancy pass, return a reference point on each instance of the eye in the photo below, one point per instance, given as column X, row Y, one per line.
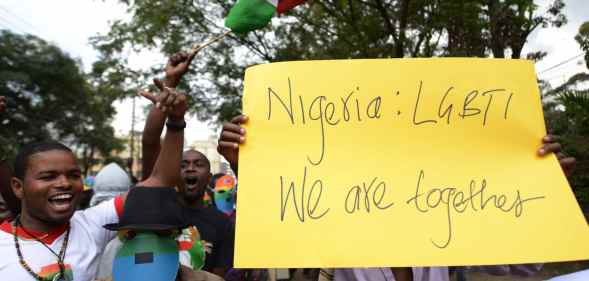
column 47, row 177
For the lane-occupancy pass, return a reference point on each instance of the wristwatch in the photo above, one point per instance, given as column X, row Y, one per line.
column 175, row 125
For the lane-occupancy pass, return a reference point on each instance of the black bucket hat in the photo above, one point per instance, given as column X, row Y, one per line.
column 151, row 208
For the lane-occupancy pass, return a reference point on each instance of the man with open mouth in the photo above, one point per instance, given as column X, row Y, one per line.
column 49, row 239
column 216, row 229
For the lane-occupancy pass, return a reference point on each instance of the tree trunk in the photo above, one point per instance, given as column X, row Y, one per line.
column 400, row 44
column 497, row 42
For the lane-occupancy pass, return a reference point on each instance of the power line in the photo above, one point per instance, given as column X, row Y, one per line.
column 560, row 63
column 20, row 28
column 10, row 25
column 19, row 18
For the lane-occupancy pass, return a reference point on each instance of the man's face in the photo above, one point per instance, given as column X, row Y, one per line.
column 196, row 173
column 51, row 187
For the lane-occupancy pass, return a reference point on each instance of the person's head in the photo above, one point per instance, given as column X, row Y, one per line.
column 196, row 173
column 47, row 181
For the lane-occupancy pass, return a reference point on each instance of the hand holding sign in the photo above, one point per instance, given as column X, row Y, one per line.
column 551, row 146
column 347, row 151
column 232, row 135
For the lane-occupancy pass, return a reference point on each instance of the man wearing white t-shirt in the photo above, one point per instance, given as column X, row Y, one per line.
column 48, row 240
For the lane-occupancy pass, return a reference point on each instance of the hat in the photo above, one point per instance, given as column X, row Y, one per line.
column 150, row 208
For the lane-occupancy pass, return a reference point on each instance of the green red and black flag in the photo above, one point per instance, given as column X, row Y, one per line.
column 248, row 15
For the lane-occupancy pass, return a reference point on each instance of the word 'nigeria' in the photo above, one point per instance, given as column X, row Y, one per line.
column 351, row 108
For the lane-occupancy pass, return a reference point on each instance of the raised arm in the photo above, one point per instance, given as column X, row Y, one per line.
column 232, row 135
column 177, row 66
column 166, row 171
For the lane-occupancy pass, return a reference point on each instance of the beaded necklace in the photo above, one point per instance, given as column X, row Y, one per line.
column 60, row 257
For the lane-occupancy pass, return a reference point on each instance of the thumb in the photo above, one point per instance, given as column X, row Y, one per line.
column 149, row 96
column 191, row 57
column 158, row 83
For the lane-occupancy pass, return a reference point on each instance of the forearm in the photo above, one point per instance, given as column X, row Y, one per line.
column 151, row 145
column 167, row 166
column 234, row 168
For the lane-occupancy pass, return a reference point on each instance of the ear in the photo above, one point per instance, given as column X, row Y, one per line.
column 17, row 186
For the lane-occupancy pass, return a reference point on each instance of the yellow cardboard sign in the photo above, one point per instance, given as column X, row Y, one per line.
column 400, row 162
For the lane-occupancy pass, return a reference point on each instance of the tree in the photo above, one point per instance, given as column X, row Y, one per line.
column 583, row 40
column 326, row 29
column 51, row 98
column 566, row 109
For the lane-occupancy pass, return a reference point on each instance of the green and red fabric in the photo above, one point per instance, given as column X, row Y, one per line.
column 248, row 15
column 52, row 272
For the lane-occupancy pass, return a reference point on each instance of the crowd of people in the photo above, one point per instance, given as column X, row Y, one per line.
column 44, row 235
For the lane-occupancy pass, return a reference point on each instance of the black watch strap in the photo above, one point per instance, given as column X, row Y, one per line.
column 175, row 125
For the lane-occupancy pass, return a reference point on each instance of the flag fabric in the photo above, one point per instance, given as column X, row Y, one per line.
column 248, row 15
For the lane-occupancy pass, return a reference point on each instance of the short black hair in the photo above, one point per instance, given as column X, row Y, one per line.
column 194, row 150
column 22, row 158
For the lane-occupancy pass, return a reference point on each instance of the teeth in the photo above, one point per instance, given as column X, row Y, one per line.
column 62, row 197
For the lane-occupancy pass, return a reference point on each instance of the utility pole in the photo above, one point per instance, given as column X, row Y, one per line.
column 132, row 144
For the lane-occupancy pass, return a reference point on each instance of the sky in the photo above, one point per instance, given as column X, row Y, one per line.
column 70, row 23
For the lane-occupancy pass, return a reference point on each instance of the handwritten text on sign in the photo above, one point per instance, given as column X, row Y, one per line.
column 398, row 162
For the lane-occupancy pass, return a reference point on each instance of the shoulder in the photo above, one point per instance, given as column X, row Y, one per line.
column 208, row 217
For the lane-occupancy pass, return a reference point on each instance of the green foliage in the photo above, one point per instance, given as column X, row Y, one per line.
column 50, row 98
column 326, row 29
column 583, row 40
column 566, row 110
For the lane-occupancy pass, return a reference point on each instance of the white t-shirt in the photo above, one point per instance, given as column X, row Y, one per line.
column 86, row 242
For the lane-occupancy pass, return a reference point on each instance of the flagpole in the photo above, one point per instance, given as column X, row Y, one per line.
column 197, row 47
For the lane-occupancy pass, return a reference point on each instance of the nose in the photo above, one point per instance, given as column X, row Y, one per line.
column 190, row 167
column 64, row 182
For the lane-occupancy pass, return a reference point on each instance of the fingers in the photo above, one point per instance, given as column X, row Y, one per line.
column 233, row 128
column 550, row 139
column 175, row 59
column 568, row 164
column 179, row 99
column 228, row 136
column 179, row 58
column 240, row 119
column 148, row 95
column 169, row 97
column 190, row 57
column 226, row 144
column 549, row 148
column 158, row 83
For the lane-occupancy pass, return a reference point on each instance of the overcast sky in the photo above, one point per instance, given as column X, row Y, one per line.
column 69, row 24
